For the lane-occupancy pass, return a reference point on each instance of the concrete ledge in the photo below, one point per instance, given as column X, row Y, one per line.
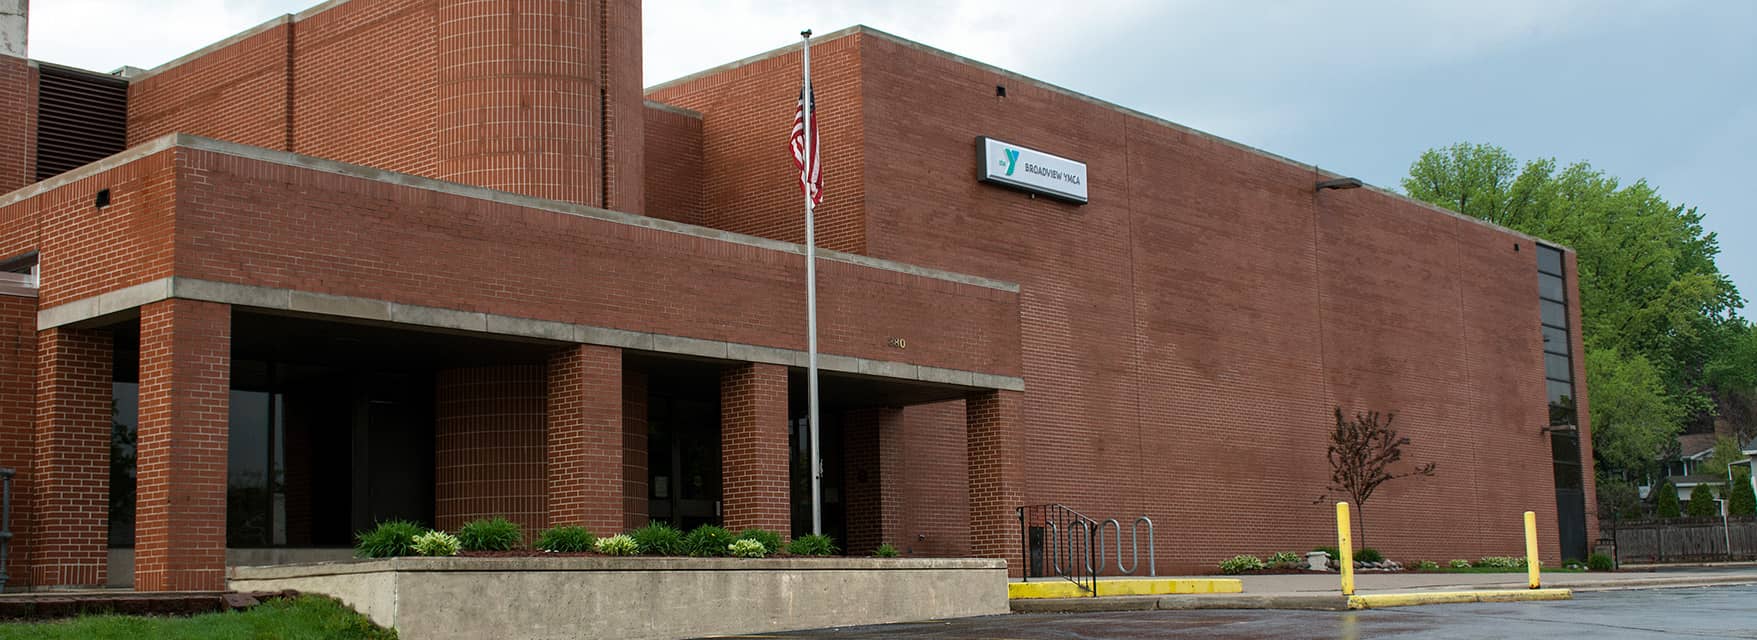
column 1052, row 588
column 641, row 598
column 1382, row 600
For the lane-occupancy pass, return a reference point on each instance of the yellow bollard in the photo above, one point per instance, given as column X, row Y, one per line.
column 1531, row 561
column 1345, row 546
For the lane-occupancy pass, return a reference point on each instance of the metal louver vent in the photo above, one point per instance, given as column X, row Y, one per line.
column 82, row 117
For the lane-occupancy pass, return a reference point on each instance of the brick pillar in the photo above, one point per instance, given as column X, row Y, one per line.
column 18, row 425
column 69, row 545
column 873, row 475
column 586, row 438
column 490, row 435
column 996, row 451
column 753, row 448
column 185, row 393
column 634, row 449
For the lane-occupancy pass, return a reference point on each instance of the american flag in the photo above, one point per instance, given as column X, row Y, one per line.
column 805, row 147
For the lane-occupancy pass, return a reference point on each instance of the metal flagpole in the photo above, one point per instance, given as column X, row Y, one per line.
column 811, row 140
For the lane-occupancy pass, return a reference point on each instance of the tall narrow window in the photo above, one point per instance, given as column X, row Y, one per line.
column 1559, row 383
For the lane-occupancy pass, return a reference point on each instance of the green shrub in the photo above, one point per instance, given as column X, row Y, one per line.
column 1240, row 564
column 1600, row 562
column 885, row 550
column 707, row 541
column 812, row 545
column 1429, row 565
column 567, row 539
column 1743, row 502
column 746, row 548
column 1459, row 564
column 1368, row 554
column 771, row 540
column 617, row 545
column 1702, row 503
column 388, row 540
column 1501, row 562
column 1665, row 501
column 659, row 539
column 1335, row 553
column 1284, row 559
column 436, row 543
column 491, row 534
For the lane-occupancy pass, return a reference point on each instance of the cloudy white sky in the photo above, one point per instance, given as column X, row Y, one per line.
column 1665, row 91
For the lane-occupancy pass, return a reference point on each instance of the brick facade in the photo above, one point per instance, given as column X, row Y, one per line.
column 997, row 473
column 753, row 448
column 489, row 441
column 528, row 97
column 634, row 449
column 1206, row 294
column 586, row 439
column 18, row 147
column 185, row 390
column 674, row 164
column 70, row 478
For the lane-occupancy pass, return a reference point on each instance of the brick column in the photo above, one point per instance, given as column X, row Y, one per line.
column 18, row 423
column 753, row 448
column 490, row 434
column 873, row 476
column 185, row 393
column 69, row 544
column 585, row 438
column 996, row 451
column 634, row 449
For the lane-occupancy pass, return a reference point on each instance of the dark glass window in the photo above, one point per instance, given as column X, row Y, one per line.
column 1549, row 260
column 1555, row 340
column 1557, row 367
column 1555, row 313
column 1550, row 287
column 255, row 473
column 124, row 424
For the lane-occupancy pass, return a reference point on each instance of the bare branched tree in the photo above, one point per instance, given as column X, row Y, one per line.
column 1362, row 451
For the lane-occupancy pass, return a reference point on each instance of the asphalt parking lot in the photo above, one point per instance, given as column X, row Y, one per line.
column 1702, row 612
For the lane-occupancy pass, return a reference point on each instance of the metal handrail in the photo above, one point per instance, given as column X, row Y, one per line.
column 1071, row 543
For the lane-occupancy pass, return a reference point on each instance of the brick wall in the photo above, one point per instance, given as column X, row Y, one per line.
column 18, row 398
column 326, row 233
column 541, row 98
column 586, row 438
column 69, row 483
column 489, row 446
column 997, row 473
column 674, row 164
column 1186, row 335
column 753, row 448
column 748, row 176
column 935, row 482
column 185, row 391
column 86, row 250
column 18, row 131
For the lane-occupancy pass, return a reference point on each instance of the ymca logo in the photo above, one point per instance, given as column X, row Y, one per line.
column 1012, row 161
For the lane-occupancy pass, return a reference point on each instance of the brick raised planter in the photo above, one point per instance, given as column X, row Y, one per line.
column 634, row 598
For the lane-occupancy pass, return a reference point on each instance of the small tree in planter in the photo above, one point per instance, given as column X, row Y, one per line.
column 1362, row 451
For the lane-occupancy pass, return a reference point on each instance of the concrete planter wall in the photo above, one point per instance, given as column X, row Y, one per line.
column 593, row 597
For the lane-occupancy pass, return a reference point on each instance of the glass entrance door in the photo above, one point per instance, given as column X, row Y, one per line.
column 683, row 461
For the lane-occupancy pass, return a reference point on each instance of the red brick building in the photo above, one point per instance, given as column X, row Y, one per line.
column 439, row 260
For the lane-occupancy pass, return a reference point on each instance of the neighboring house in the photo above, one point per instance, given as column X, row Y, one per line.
column 1681, row 471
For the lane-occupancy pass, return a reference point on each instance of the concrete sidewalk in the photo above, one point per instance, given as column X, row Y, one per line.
column 1322, row 592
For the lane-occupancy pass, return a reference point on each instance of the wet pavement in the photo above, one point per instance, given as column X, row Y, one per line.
column 1704, row 612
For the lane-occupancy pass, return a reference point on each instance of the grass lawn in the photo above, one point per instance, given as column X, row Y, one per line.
column 306, row 618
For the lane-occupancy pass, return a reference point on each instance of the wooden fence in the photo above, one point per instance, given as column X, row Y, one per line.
column 1684, row 540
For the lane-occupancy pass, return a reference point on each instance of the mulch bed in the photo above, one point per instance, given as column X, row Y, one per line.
column 50, row 605
column 538, row 553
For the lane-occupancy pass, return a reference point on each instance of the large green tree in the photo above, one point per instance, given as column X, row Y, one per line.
column 1658, row 318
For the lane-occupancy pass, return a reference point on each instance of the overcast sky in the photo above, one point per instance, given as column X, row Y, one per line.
column 1665, row 91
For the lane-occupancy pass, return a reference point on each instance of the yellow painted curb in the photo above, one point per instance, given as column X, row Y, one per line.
column 1381, row 600
column 1057, row 588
